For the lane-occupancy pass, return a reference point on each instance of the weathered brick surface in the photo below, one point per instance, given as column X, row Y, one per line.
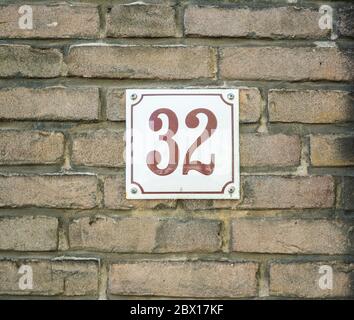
column 278, row 63
column 30, row 147
column 199, row 204
column 272, row 192
column 288, row 192
column 184, row 279
column 52, row 21
column 275, row 192
column 24, row 61
column 115, row 197
column 114, row 234
column 99, row 148
column 348, row 193
column 250, row 105
column 332, row 150
column 269, row 150
column 197, row 235
column 345, row 21
column 28, row 233
column 56, row 191
column 141, row 20
column 302, row 280
column 139, row 234
column 139, row 62
column 310, row 106
column 51, row 277
column 248, row 22
column 52, row 103
column 291, row 236
column 115, row 99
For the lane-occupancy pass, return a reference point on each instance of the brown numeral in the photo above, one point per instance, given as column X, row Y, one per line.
column 154, row 157
column 192, row 122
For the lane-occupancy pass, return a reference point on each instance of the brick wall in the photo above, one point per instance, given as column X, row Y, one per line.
column 63, row 209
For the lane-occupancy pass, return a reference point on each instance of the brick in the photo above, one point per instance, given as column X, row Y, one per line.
column 115, row 99
column 274, row 192
column 332, row 150
column 52, row 103
column 51, row 277
column 184, row 278
column 310, row 106
column 253, row 23
column 139, row 62
column 197, row 204
column 99, row 148
column 28, row 233
column 345, row 22
column 115, row 197
column 292, row 64
column 114, row 234
column 53, row 191
column 30, row 147
column 302, row 280
column 144, row 234
column 141, row 20
column 250, row 105
column 269, row 150
column 197, row 235
column 24, row 61
column 52, row 21
column 290, row 236
column 348, row 193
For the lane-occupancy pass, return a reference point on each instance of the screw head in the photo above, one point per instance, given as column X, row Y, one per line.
column 230, row 96
column 231, row 189
column 133, row 96
column 133, row 190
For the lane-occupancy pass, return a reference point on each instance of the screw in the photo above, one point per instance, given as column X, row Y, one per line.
column 133, row 96
column 133, row 190
column 231, row 189
column 231, row 96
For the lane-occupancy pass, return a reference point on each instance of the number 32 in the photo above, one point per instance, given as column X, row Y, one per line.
column 154, row 157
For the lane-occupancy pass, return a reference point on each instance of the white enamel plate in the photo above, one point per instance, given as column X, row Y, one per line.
column 182, row 144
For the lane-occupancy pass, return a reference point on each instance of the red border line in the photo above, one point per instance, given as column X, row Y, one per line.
column 182, row 192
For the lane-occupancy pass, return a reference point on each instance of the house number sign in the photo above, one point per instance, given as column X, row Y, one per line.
column 182, row 144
